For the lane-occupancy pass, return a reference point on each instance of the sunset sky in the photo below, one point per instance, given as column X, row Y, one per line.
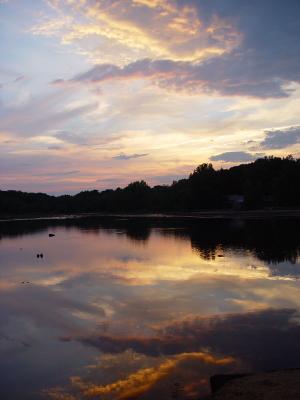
column 97, row 93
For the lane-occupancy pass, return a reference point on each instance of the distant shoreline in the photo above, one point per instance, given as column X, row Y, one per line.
column 268, row 184
column 204, row 214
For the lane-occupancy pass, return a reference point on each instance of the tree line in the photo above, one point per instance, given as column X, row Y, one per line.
column 269, row 182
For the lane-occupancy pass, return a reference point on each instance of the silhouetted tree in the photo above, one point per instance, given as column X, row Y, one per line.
column 267, row 182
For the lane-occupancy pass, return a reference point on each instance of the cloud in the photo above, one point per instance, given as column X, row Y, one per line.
column 242, row 336
column 128, row 26
column 42, row 113
column 59, row 173
column 266, row 55
column 21, row 301
column 224, row 75
column 71, row 137
column 26, row 170
column 143, row 380
column 124, row 156
column 241, row 341
column 235, row 156
column 144, row 68
column 231, row 49
column 55, row 147
column 281, row 138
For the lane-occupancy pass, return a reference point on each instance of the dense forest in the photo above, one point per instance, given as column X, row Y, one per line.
column 269, row 182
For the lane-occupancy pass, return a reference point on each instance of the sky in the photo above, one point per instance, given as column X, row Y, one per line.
column 95, row 94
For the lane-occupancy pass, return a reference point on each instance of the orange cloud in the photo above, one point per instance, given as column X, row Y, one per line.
column 179, row 33
column 149, row 3
column 144, row 379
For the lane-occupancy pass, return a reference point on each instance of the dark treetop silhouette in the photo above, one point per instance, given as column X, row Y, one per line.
column 267, row 182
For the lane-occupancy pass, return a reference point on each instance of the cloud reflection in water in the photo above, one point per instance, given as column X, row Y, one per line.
column 136, row 307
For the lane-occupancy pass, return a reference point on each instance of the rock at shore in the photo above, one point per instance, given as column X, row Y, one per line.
column 274, row 385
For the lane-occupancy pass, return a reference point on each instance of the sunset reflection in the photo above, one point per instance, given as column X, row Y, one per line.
column 122, row 318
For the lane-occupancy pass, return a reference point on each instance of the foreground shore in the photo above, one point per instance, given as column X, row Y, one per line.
column 274, row 385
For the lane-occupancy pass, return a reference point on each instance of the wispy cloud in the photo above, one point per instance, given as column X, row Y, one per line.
column 59, row 173
column 179, row 32
column 42, row 113
column 124, row 156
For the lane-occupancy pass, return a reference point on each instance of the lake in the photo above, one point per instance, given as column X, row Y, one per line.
column 144, row 308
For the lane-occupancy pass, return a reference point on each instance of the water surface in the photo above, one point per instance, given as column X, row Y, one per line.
column 144, row 308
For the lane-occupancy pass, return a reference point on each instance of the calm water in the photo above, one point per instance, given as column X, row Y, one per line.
column 144, row 308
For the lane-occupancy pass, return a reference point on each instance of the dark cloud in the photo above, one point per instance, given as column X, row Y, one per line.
column 261, row 339
column 281, row 138
column 54, row 147
column 267, row 55
column 225, row 75
column 235, row 156
column 124, row 156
